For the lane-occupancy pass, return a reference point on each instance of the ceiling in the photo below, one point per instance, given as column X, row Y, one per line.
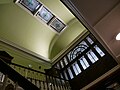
column 102, row 18
column 22, row 30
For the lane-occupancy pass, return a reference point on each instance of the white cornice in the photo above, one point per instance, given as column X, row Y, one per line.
column 24, row 50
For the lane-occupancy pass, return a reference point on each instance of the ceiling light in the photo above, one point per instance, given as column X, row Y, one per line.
column 118, row 36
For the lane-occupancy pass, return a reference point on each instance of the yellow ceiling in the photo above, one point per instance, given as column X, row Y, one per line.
column 22, row 29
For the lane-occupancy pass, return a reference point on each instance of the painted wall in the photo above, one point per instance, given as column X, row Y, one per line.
column 74, row 29
column 24, row 59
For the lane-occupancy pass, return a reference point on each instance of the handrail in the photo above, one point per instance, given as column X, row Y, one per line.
column 13, row 71
column 36, row 71
column 15, row 76
column 26, row 68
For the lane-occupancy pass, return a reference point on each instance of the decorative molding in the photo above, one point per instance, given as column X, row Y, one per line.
column 66, row 50
column 82, row 19
column 24, row 50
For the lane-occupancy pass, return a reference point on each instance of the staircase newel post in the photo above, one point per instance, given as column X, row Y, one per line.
column 16, row 85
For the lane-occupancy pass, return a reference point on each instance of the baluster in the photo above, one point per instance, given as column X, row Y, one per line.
column 38, row 83
column 56, row 83
column 26, row 73
column 33, row 81
column 47, row 82
column 66, row 85
column 33, row 78
column 22, row 72
column 50, row 83
column 55, row 87
column 42, row 85
column 63, row 85
column 5, row 82
column 37, row 76
column 29, row 76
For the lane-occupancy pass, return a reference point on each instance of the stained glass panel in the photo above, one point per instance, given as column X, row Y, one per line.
column 32, row 5
column 57, row 25
column 99, row 51
column 45, row 15
column 70, row 73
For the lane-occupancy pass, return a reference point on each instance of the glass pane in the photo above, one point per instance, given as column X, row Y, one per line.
column 62, row 65
column 65, row 60
column 93, row 55
column 58, row 66
column 57, row 25
column 66, row 77
column 93, row 58
column 77, row 67
column 75, row 70
column 84, row 62
column 45, row 14
column 32, row 5
column 90, row 40
column 70, row 73
column 84, row 46
column 99, row 51
column 71, row 56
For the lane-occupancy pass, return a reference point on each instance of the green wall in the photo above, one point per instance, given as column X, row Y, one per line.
column 60, row 42
column 24, row 59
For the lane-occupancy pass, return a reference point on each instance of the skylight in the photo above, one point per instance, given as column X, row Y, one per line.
column 31, row 5
column 45, row 14
column 42, row 13
column 57, row 25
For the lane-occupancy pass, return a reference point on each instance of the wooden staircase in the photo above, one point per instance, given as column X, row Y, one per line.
column 26, row 78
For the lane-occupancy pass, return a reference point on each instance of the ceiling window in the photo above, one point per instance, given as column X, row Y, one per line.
column 57, row 25
column 45, row 14
column 42, row 13
column 31, row 5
